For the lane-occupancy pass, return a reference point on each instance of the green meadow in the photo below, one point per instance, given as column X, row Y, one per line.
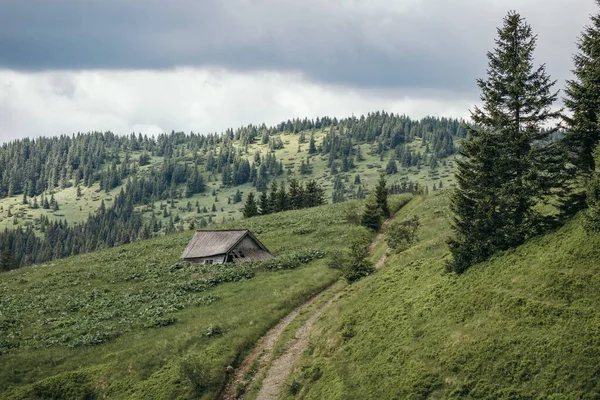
column 134, row 322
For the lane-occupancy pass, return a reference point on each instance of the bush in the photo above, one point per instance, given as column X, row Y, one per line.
column 400, row 235
column 357, row 265
column 293, row 260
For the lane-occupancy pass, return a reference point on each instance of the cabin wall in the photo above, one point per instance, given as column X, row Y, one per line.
column 247, row 244
column 220, row 259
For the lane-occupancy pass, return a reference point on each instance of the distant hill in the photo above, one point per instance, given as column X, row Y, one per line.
column 73, row 194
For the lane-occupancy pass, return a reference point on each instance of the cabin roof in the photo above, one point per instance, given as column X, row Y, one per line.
column 208, row 243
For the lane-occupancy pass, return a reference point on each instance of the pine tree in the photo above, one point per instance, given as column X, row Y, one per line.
column 371, row 216
column 391, row 167
column 357, row 264
column 314, row 195
column 293, row 195
column 265, row 208
column 508, row 163
column 7, row 261
column 273, row 204
column 591, row 221
column 381, row 194
column 250, row 208
column 583, row 99
column 237, row 197
column 312, row 149
column 283, row 199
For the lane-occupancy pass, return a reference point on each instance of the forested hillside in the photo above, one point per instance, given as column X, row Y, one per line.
column 73, row 194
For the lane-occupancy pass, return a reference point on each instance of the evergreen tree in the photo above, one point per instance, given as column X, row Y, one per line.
column 250, row 208
column 391, row 167
column 357, row 264
column 282, row 199
column 591, row 221
column 237, row 197
column 294, row 194
column 314, row 195
column 312, row 149
column 265, row 208
column 583, row 99
column 381, row 194
column 508, row 164
column 371, row 216
column 7, row 261
column 273, row 204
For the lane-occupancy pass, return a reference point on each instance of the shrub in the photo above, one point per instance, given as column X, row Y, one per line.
column 357, row 265
column 400, row 235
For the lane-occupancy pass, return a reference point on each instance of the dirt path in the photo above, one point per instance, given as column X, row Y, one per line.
column 277, row 373
column 263, row 350
column 379, row 236
column 281, row 368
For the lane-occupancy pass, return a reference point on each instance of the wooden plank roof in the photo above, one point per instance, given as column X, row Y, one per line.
column 213, row 242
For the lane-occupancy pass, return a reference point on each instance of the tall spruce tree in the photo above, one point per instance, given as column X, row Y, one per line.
column 371, row 216
column 265, row 207
column 583, row 99
column 381, row 193
column 250, row 208
column 509, row 164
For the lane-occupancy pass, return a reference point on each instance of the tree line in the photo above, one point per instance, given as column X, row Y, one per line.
column 511, row 161
column 281, row 198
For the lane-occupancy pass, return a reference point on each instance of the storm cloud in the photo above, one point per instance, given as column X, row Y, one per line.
column 206, row 65
column 381, row 44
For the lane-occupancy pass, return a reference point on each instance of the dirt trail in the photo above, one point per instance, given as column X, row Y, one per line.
column 379, row 236
column 263, row 350
column 281, row 368
column 272, row 385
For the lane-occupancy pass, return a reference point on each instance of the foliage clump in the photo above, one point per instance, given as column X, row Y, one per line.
column 401, row 234
column 353, row 262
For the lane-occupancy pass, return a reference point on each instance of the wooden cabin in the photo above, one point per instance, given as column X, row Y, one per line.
column 224, row 246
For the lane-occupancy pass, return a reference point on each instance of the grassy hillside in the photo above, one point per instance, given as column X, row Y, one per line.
column 132, row 322
column 524, row 325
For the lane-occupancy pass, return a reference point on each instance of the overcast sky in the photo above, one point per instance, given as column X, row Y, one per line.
column 152, row 66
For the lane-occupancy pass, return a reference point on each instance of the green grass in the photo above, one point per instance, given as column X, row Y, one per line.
column 129, row 322
column 524, row 325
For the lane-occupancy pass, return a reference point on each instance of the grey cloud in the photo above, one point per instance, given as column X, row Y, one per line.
column 375, row 44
